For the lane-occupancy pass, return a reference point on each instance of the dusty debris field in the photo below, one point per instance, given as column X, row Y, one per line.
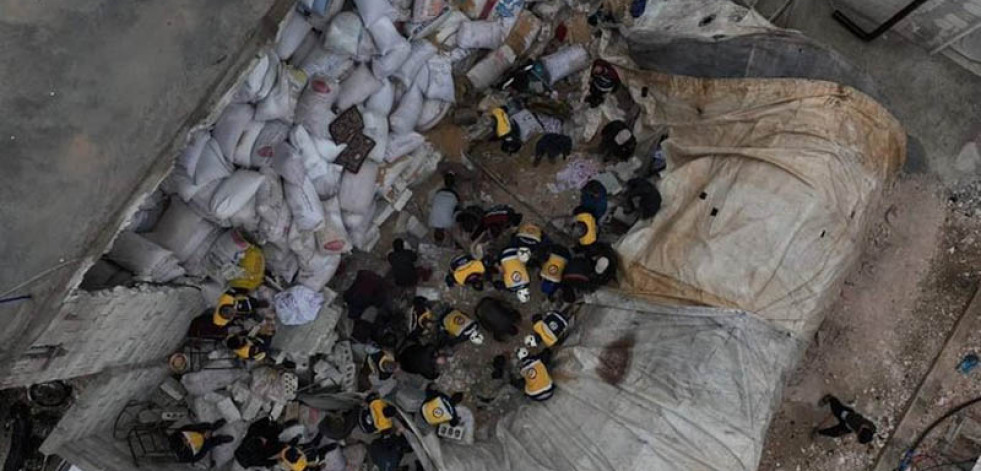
column 894, row 313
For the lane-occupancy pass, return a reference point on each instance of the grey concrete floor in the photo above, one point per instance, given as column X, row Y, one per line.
column 93, row 91
column 938, row 101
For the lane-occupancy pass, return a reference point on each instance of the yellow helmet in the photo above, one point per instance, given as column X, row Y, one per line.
column 530, row 231
column 225, row 303
column 293, row 458
column 195, row 440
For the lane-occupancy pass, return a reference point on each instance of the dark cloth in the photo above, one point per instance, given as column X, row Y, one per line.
column 419, row 359
column 498, row 219
column 21, row 432
column 469, row 219
column 643, row 196
column 261, row 445
column 849, row 421
column 609, row 145
column 203, row 327
column 386, row 452
column 183, row 451
column 404, row 267
column 498, row 317
column 369, row 289
column 552, row 145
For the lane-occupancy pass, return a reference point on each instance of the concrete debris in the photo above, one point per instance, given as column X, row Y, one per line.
column 205, row 381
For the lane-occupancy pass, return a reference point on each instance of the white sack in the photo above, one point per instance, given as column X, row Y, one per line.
column 313, row 109
column 419, row 52
column 440, row 85
column 358, row 86
column 202, row 382
column 195, row 263
column 181, row 230
column 281, row 262
column 227, row 250
column 281, row 102
column 446, row 34
column 385, row 36
column 404, row 119
column 302, row 243
column 243, row 149
column 333, row 237
column 287, row 164
column 291, row 34
column 310, row 43
column 381, row 102
column 188, row 160
column 297, row 305
column 270, row 205
column 235, row 192
column 358, row 189
column 480, row 35
column 491, row 67
column 246, row 217
column 144, row 258
column 327, row 63
column 344, row 33
column 304, row 204
column 182, row 185
column 421, row 81
column 376, row 127
column 565, row 62
column 328, row 149
column 252, row 83
column 366, row 48
column 211, row 165
column 201, row 202
column 388, row 64
column 402, row 144
column 373, row 10
column 328, row 185
column 317, row 272
column 264, row 149
column 314, row 165
column 432, row 112
column 269, row 80
column 230, row 126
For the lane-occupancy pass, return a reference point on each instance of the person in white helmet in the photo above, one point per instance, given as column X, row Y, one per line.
column 514, row 272
column 548, row 329
column 458, row 327
column 534, row 380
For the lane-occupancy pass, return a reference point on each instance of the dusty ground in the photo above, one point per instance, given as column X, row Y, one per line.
column 894, row 314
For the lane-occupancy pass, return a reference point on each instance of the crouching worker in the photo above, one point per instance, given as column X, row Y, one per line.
column 378, row 416
column 549, row 329
column 443, row 208
column 466, row 271
column 535, row 380
column 235, row 305
column 553, row 268
column 192, row 442
column 438, row 408
column 459, row 327
column 261, row 446
column 585, row 227
column 514, row 273
column 531, row 237
column 248, row 347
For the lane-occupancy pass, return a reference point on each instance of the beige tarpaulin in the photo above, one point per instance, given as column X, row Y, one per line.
column 768, row 187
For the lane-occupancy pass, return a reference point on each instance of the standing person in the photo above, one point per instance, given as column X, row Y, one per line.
column 849, row 421
column 535, row 380
column 403, row 263
column 443, row 209
column 192, row 442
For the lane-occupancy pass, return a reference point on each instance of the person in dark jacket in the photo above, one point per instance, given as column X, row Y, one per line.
column 387, row 452
column 593, row 198
column 192, row 442
column 617, row 141
column 641, row 196
column 423, row 360
column 498, row 219
column 261, row 446
column 369, row 289
column 403, row 263
column 498, row 317
column 553, row 146
column 849, row 421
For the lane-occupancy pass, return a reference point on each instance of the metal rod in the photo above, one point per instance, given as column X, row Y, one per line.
column 867, row 36
column 15, row 298
column 956, row 38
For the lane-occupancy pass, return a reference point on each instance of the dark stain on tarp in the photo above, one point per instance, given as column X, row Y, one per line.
column 614, row 361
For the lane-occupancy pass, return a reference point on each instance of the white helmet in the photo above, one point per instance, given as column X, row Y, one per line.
column 601, row 265
column 531, row 341
column 477, row 338
column 524, row 254
column 524, row 295
column 521, row 353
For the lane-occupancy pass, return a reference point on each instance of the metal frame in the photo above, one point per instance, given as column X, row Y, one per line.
column 869, row 36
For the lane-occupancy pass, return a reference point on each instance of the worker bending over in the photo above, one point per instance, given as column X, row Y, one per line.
column 553, row 268
column 378, row 416
column 438, row 408
column 585, row 227
column 548, row 329
column 459, row 327
column 514, row 273
column 466, row 271
column 192, row 442
column 535, row 380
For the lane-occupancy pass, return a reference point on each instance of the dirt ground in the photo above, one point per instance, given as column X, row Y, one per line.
column 893, row 316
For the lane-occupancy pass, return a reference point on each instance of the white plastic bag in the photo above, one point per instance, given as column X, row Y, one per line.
column 297, row 305
column 357, row 191
column 326, row 63
column 402, row 144
column 313, row 108
column 181, row 230
column 357, row 87
column 243, row 149
column 144, row 258
column 235, row 192
column 432, row 112
column 419, row 53
column 376, row 127
column 294, row 29
column 270, row 205
column 480, row 35
column 403, row 120
column 230, row 126
column 211, row 165
column 440, row 86
column 281, row 102
column 373, row 10
column 344, row 33
column 381, row 102
column 264, row 149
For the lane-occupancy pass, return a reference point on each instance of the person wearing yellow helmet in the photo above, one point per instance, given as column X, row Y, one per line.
column 585, row 227
column 458, row 327
column 466, row 271
column 192, row 442
column 534, row 378
column 235, row 304
column 530, row 236
column 506, row 131
column 377, row 416
column 293, row 459
column 548, row 329
column 553, row 268
column 438, row 408
column 514, row 273
column 248, row 347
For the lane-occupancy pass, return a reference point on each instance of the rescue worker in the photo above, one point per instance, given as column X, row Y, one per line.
column 381, row 362
column 593, row 198
column 378, row 415
column 293, row 459
column 438, row 408
column 261, row 446
column 535, row 380
column 459, row 327
column 443, row 207
column 506, row 131
column 466, row 271
column 552, row 145
column 498, row 219
column 531, row 236
column 641, row 196
column 603, row 260
column 423, row 318
column 618, row 141
column 584, row 227
column 192, row 442
column 235, row 305
column 248, row 347
column 548, row 329
column 553, row 268
column 603, row 80
column 514, row 273
column 576, row 278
